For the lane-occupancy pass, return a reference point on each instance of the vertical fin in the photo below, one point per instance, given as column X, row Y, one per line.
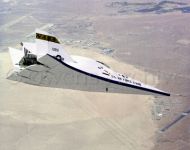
column 49, row 44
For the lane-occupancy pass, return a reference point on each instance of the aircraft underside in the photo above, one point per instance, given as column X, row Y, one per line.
column 51, row 72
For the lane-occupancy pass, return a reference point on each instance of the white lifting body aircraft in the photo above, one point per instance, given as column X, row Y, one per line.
column 46, row 63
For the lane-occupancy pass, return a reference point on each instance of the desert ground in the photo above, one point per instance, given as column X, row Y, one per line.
column 46, row 118
column 148, row 40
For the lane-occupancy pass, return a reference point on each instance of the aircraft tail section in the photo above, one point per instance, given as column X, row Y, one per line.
column 49, row 44
column 16, row 56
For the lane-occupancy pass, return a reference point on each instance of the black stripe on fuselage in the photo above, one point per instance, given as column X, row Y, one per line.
column 46, row 38
column 112, row 81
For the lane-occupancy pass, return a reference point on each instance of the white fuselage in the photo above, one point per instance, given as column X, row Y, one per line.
column 55, row 68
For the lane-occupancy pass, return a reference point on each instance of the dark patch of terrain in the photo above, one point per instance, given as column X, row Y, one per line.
column 151, row 7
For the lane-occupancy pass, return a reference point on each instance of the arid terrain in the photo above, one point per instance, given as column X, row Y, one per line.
column 148, row 40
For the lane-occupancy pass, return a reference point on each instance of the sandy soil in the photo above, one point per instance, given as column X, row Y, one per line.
column 160, row 45
column 43, row 118
column 156, row 43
